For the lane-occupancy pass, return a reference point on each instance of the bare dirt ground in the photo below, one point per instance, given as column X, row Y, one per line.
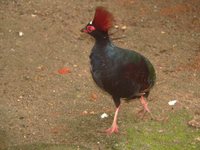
column 39, row 37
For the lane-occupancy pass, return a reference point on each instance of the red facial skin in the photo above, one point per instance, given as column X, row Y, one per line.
column 89, row 29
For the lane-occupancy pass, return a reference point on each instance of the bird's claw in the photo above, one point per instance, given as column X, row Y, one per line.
column 113, row 129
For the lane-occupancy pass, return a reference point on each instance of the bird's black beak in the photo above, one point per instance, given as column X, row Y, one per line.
column 83, row 30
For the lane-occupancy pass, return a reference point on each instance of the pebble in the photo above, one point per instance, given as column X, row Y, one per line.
column 85, row 112
column 124, row 28
column 172, row 102
column 197, row 139
column 75, row 65
column 104, row 115
column 163, row 32
column 94, row 96
column 92, row 112
column 116, row 26
column 12, row 49
column 21, row 33
column 33, row 15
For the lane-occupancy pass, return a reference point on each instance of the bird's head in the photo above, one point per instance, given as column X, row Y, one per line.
column 102, row 22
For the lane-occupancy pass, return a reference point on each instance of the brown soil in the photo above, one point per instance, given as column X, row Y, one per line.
column 37, row 38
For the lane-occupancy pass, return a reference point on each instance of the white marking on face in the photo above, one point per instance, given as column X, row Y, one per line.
column 90, row 22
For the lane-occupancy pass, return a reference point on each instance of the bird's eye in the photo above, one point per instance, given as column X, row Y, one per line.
column 90, row 22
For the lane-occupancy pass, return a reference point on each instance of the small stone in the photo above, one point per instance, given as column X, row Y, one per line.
column 104, row 115
column 41, row 67
column 92, row 112
column 172, row 102
column 163, row 32
column 116, row 26
column 197, row 139
column 124, row 27
column 75, row 65
column 12, row 49
column 21, row 33
column 33, row 15
column 94, row 96
column 85, row 112
column 160, row 131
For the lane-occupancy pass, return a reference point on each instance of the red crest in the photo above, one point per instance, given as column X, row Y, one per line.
column 103, row 19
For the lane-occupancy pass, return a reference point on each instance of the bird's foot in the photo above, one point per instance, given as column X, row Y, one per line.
column 113, row 129
column 145, row 105
column 143, row 112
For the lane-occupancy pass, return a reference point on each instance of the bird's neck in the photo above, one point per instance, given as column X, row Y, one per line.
column 102, row 40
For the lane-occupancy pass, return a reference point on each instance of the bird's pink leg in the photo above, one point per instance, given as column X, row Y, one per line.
column 114, row 127
column 146, row 109
column 145, row 104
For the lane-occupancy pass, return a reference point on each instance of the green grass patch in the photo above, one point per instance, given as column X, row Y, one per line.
column 171, row 135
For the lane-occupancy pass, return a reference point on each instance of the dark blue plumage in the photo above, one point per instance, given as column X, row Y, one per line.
column 120, row 72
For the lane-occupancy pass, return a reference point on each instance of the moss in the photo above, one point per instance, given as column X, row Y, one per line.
column 174, row 134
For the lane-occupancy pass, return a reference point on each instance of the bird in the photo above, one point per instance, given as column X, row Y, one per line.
column 123, row 73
